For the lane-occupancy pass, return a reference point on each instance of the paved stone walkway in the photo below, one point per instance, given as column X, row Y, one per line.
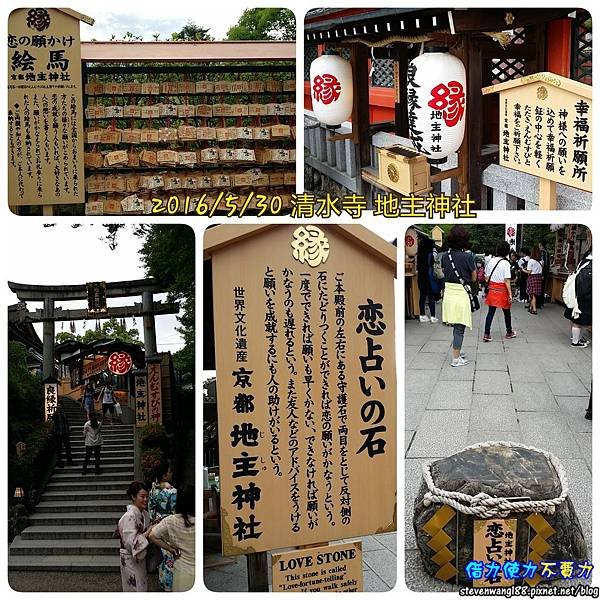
column 379, row 568
column 533, row 389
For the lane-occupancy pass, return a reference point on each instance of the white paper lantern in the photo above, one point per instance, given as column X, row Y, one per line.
column 331, row 89
column 411, row 243
column 436, row 101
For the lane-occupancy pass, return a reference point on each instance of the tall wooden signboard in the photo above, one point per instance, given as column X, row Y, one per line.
column 306, row 390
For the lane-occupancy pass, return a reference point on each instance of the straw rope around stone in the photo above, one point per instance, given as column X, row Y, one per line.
column 486, row 506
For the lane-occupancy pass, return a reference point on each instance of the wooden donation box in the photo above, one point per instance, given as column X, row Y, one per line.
column 306, row 390
column 546, row 130
column 403, row 170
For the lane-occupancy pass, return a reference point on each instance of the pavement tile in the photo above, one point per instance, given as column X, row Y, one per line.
column 413, row 476
column 490, row 348
column 414, row 407
column 573, row 409
column 369, row 543
column 583, row 370
column 534, row 397
column 554, row 364
column 566, row 384
column 579, row 479
column 546, row 431
column 428, row 360
column 420, row 382
column 437, row 346
column 451, row 394
column 372, row 583
column 389, row 540
column 491, row 382
column 441, row 433
column 491, row 362
column 465, row 373
column 408, row 438
column 477, row 436
column 585, row 443
column 522, row 371
column 384, row 563
column 494, row 413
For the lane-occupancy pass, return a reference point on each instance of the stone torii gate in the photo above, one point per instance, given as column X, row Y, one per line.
column 50, row 313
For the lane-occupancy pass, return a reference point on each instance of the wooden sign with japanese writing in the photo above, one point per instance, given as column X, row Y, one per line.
column 335, row 568
column 45, row 113
column 546, row 128
column 494, row 541
column 304, row 341
column 92, row 367
column 141, row 398
column 50, row 399
column 154, row 392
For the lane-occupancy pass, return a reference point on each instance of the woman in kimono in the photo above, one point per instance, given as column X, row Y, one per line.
column 133, row 530
column 161, row 504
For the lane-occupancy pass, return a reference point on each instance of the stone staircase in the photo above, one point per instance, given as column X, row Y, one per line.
column 72, row 526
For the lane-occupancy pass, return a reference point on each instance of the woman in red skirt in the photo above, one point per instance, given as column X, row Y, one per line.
column 535, row 277
column 499, row 295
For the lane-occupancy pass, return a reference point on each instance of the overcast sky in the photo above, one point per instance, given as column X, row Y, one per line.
column 166, row 21
column 62, row 255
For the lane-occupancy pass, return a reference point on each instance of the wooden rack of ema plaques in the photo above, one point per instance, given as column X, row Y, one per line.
column 177, row 134
column 184, row 133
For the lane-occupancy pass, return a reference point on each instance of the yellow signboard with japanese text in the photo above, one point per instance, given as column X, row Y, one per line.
column 304, row 335
column 546, row 128
column 495, row 541
column 45, row 110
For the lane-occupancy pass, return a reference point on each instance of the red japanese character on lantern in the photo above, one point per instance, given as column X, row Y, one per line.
column 119, row 363
column 331, row 89
column 326, row 88
column 450, row 99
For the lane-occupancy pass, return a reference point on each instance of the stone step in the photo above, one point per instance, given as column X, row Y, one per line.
column 107, row 475
column 76, row 518
column 105, row 454
column 113, row 467
column 78, row 485
column 83, row 494
column 44, row 532
column 82, row 506
column 64, row 563
column 106, row 441
column 97, row 547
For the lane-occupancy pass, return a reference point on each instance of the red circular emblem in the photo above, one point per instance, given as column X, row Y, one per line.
column 510, row 231
column 326, row 88
column 409, row 241
column 119, row 363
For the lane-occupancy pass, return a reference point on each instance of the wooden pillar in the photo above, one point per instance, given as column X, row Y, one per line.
column 360, row 109
column 401, row 104
column 258, row 572
column 474, row 119
column 536, row 35
column 558, row 42
column 149, row 325
column 48, row 339
column 461, row 52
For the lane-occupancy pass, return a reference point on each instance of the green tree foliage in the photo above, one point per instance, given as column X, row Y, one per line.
column 192, row 33
column 264, row 24
column 111, row 329
column 534, row 234
column 25, row 395
column 168, row 255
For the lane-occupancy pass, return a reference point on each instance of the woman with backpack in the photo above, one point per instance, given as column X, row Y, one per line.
column 577, row 295
column 460, row 290
column 499, row 293
column 429, row 290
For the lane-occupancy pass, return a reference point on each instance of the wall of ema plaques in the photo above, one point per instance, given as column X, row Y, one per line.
column 187, row 138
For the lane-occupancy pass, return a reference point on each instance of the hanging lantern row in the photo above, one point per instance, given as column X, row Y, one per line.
column 331, row 89
column 436, row 102
column 436, row 98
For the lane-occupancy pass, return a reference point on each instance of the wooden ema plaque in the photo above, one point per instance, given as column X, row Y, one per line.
column 335, row 568
column 304, row 341
column 546, row 130
column 45, row 111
